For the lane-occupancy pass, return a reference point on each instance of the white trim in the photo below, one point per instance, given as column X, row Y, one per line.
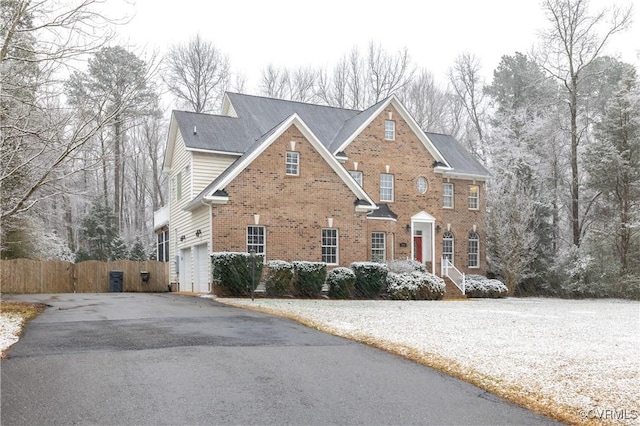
column 214, row 151
column 295, row 120
column 382, row 218
column 453, row 175
column 404, row 114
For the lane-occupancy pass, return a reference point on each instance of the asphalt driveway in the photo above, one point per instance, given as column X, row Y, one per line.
column 129, row 358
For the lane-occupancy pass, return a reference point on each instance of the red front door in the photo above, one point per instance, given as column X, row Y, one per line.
column 417, row 248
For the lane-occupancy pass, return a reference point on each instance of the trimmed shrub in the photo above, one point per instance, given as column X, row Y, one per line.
column 309, row 278
column 405, row 266
column 479, row 286
column 341, row 282
column 279, row 278
column 415, row 285
column 371, row 278
column 232, row 271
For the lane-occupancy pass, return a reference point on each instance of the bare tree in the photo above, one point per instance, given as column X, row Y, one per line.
column 574, row 39
column 426, row 101
column 40, row 40
column 197, row 74
column 275, row 82
column 124, row 84
column 466, row 84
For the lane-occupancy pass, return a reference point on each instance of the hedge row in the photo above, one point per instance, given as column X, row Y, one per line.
column 398, row 280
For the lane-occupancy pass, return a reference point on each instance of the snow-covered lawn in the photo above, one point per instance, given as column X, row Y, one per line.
column 576, row 360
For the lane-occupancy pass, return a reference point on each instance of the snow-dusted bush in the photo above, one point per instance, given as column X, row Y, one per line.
column 479, row 286
column 232, row 271
column 309, row 278
column 371, row 278
column 405, row 266
column 341, row 282
column 415, row 285
column 279, row 278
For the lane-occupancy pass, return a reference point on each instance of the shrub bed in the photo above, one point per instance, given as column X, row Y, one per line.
column 371, row 279
column 309, row 278
column 415, row 285
column 279, row 278
column 341, row 283
column 477, row 286
column 232, row 272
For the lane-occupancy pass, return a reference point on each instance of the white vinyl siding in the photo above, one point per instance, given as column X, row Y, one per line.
column 206, row 167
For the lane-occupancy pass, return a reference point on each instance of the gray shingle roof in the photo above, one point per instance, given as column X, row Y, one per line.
column 457, row 156
column 257, row 116
column 213, row 132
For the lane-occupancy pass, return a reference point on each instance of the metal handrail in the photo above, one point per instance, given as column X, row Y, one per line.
column 451, row 272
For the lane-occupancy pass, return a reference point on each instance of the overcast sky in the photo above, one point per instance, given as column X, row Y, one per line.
column 295, row 33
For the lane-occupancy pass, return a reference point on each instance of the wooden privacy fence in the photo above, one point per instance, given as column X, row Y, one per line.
column 92, row 276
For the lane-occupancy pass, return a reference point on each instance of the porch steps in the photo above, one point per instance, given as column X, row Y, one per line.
column 451, row 291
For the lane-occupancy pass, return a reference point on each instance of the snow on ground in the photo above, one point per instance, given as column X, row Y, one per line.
column 577, row 360
column 10, row 326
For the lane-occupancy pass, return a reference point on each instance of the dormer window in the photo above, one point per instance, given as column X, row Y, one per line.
column 293, row 163
column 389, row 130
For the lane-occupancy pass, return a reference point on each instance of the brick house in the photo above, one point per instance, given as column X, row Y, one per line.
column 296, row 181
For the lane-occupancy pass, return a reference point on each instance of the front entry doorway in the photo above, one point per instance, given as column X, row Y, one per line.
column 417, row 246
column 423, row 238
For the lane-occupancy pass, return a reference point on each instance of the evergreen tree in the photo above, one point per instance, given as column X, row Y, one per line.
column 119, row 249
column 98, row 231
column 138, row 251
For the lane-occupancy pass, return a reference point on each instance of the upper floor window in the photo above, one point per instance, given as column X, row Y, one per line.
column 447, row 195
column 386, row 187
column 474, row 249
column 330, row 246
column 474, row 197
column 422, row 185
column 378, row 247
column 389, row 130
column 293, row 163
column 256, row 239
column 357, row 176
column 447, row 245
column 179, row 186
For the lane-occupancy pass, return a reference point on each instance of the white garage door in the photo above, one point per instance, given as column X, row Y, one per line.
column 201, row 269
column 185, row 270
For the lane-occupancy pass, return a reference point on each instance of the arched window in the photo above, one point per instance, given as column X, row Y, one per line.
column 474, row 250
column 447, row 245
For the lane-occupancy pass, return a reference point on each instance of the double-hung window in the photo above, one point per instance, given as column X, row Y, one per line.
column 447, row 195
column 474, row 249
column 357, row 176
column 386, row 187
column 330, row 246
column 293, row 163
column 256, row 239
column 389, row 130
column 378, row 247
column 474, row 197
column 447, row 245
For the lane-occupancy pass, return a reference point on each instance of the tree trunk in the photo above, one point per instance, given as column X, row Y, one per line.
column 575, row 197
